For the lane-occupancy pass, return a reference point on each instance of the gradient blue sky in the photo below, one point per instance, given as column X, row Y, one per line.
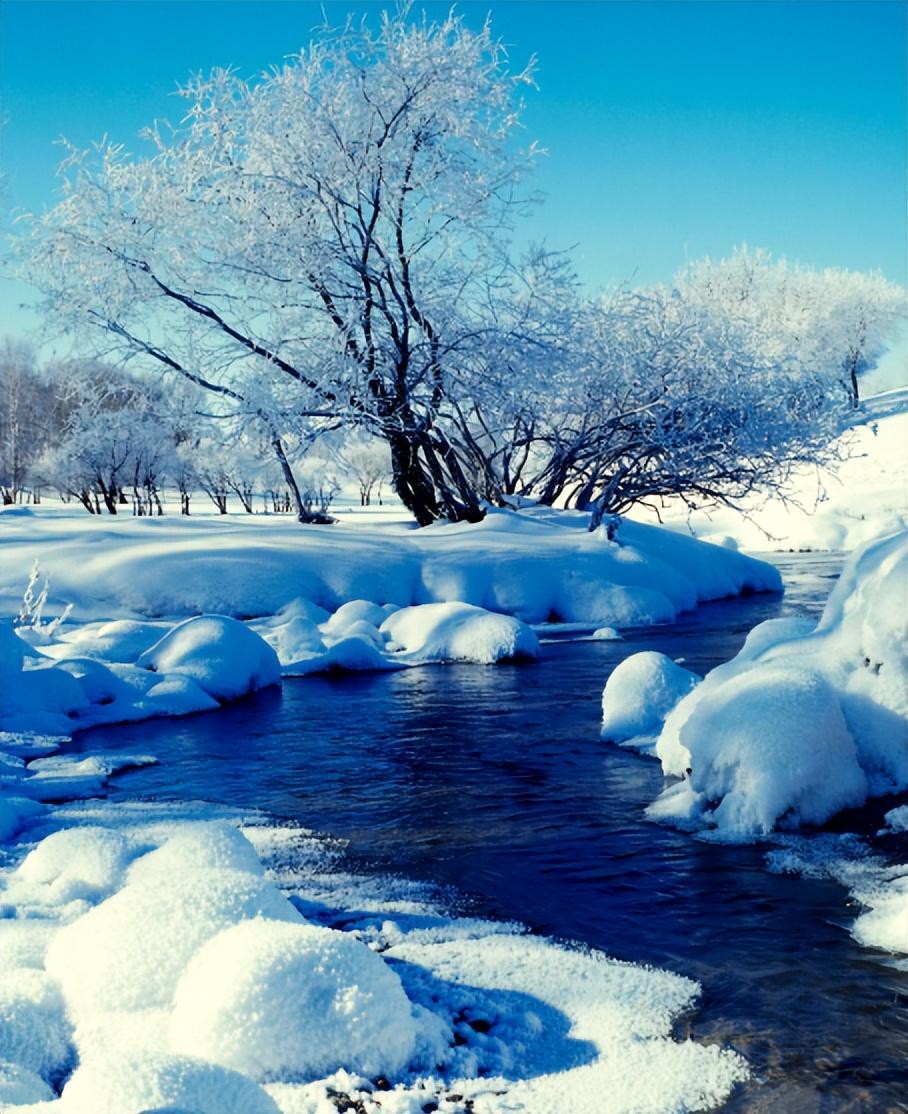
column 674, row 129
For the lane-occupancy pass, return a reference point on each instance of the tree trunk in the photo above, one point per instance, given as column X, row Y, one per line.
column 302, row 514
column 413, row 486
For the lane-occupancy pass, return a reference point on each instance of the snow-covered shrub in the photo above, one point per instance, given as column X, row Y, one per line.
column 281, row 1000
column 800, row 725
column 223, row 656
column 639, row 694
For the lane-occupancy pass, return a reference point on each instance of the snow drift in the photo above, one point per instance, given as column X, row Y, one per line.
column 800, row 725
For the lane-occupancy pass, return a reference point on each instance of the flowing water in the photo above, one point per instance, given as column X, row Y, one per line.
column 493, row 780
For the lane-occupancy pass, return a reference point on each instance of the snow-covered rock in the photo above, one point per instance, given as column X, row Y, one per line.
column 279, row 1000
column 639, row 694
column 224, row 657
column 458, row 632
column 800, row 725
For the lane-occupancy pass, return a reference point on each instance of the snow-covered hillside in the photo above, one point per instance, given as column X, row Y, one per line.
column 865, row 498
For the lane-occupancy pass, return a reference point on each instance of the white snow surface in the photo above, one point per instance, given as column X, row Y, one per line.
column 534, row 565
column 292, row 1001
column 171, row 970
column 225, row 658
column 639, row 694
column 800, row 725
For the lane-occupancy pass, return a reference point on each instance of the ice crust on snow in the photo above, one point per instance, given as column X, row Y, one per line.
column 800, row 725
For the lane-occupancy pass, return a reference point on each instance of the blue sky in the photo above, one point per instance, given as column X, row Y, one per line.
column 673, row 129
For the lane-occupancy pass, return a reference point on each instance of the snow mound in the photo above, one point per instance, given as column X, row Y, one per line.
column 34, row 1031
column 349, row 654
column 73, row 864
column 282, row 1000
column 639, row 694
column 121, row 640
column 155, row 1083
column 223, row 656
column 204, row 845
column 771, row 744
column 884, row 925
column 19, row 1086
column 129, row 951
column 458, row 632
column 355, row 611
column 800, row 725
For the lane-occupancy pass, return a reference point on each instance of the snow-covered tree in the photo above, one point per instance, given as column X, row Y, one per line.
column 27, row 418
column 113, row 446
column 327, row 242
column 368, row 462
column 836, row 323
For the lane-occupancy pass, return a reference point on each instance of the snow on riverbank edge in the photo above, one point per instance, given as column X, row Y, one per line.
column 538, row 566
column 504, row 1021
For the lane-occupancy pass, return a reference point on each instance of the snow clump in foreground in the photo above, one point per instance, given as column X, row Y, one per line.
column 799, row 725
column 156, row 964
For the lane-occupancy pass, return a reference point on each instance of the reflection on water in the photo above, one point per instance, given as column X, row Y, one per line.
column 494, row 780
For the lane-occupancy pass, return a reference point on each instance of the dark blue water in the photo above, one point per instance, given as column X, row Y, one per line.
column 493, row 780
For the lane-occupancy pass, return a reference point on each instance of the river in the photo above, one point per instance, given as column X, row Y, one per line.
column 493, row 781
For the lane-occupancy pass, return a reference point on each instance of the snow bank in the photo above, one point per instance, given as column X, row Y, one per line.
column 458, row 632
column 294, row 1001
column 534, row 565
column 225, row 658
column 799, row 726
column 639, row 694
